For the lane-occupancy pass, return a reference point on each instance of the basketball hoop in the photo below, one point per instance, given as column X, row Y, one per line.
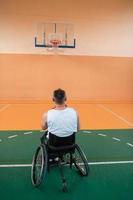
column 55, row 43
column 55, row 40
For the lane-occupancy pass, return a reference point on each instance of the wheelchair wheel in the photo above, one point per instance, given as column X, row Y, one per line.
column 39, row 166
column 80, row 161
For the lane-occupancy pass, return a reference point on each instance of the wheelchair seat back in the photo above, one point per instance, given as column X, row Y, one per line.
column 61, row 145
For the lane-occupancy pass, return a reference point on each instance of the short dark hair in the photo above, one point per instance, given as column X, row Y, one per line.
column 59, row 96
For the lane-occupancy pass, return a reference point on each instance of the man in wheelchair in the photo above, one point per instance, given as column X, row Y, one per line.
column 61, row 123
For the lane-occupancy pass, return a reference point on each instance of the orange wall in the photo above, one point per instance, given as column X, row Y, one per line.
column 85, row 78
column 102, row 27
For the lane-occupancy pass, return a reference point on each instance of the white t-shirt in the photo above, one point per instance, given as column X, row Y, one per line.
column 62, row 123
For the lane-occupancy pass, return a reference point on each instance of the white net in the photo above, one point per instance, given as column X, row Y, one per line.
column 54, row 41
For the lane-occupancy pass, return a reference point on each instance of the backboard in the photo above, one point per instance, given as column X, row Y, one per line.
column 55, row 35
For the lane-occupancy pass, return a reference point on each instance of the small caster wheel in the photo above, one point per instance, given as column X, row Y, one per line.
column 64, row 188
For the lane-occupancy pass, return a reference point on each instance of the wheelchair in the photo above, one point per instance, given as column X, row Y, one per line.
column 51, row 152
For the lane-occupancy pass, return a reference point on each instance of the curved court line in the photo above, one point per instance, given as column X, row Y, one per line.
column 90, row 163
column 129, row 144
column 117, row 139
column 87, row 131
column 101, row 134
column 116, row 115
column 4, row 107
column 114, row 138
column 27, row 133
column 12, row 136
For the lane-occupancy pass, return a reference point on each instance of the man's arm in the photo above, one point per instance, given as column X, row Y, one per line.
column 44, row 122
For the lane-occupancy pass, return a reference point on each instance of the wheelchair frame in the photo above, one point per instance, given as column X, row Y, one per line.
column 45, row 153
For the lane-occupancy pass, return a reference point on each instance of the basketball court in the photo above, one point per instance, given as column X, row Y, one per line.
column 85, row 48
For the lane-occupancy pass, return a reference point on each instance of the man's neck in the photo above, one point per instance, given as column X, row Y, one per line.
column 60, row 107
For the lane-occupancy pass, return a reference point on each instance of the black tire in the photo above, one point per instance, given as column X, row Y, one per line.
column 39, row 166
column 80, row 161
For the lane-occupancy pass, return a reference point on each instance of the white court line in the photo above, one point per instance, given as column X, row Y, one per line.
column 129, row 144
column 12, row 136
column 102, row 134
column 118, row 116
column 111, row 162
column 5, row 107
column 90, row 163
column 114, row 138
column 16, row 165
column 87, row 132
column 27, row 133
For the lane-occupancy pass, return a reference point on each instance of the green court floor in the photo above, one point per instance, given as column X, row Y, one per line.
column 109, row 153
